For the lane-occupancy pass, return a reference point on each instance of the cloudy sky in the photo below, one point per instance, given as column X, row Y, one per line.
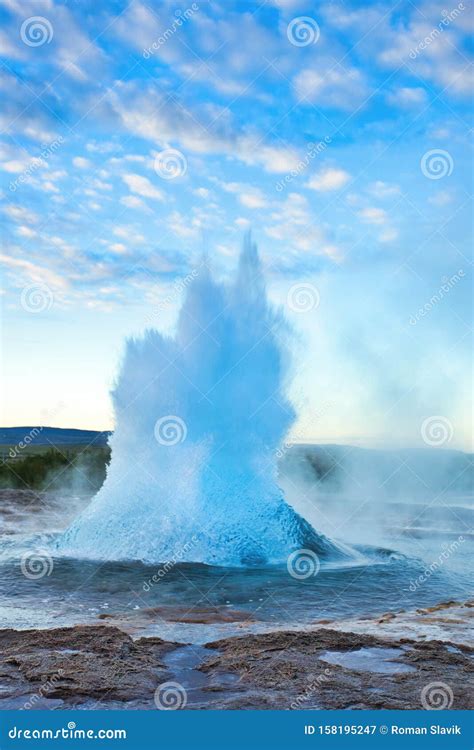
column 138, row 135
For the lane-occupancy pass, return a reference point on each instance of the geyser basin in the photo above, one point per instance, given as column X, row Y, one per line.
column 199, row 418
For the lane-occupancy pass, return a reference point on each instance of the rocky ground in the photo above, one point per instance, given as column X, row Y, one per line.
column 101, row 666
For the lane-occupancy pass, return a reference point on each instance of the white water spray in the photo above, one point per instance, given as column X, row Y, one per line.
column 199, row 418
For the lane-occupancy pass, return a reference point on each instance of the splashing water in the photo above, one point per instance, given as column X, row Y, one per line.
column 199, row 418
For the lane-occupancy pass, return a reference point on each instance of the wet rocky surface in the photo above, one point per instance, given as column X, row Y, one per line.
column 291, row 670
column 82, row 666
column 101, row 666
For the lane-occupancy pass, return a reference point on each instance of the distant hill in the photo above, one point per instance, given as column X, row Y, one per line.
column 52, row 436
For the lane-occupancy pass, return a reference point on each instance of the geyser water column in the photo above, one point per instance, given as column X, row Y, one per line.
column 199, row 418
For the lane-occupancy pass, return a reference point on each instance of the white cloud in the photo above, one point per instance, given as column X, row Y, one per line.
column 242, row 223
column 407, row 97
column 130, row 234
column 388, row 235
column 81, row 163
column 255, row 199
column 162, row 121
column 26, row 232
column 382, row 189
column 19, row 213
column 293, row 223
column 442, row 198
column 49, row 186
column 118, row 247
column 202, row 192
column 142, row 186
column 373, row 215
column 131, row 201
column 34, row 272
column 248, row 195
column 330, row 178
column 337, row 87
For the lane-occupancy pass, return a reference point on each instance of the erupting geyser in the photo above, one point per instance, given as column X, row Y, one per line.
column 199, row 418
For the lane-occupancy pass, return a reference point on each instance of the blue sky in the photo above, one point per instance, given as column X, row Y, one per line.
column 137, row 135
